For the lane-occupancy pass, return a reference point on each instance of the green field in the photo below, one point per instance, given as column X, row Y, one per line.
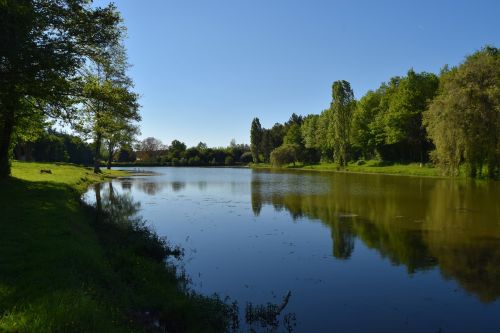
column 62, row 271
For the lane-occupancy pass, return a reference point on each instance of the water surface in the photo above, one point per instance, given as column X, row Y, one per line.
column 359, row 253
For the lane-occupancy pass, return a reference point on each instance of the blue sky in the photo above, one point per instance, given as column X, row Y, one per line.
column 205, row 69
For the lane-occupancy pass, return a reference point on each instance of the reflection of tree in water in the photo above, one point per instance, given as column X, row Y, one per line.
column 178, row 186
column 121, row 211
column 119, row 208
column 149, row 187
column 343, row 239
column 256, row 196
column 417, row 222
column 468, row 244
column 202, row 185
column 126, row 184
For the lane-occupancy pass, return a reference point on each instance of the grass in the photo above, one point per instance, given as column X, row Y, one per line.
column 412, row 169
column 63, row 271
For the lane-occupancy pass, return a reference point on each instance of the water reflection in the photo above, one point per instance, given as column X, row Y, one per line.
column 416, row 222
column 118, row 207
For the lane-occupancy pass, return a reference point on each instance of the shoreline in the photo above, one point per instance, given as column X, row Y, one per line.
column 72, row 267
column 319, row 168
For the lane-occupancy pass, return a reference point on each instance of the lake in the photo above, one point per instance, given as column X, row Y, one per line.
column 357, row 252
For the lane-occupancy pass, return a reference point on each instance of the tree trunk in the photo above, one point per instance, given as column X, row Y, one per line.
column 97, row 154
column 110, row 155
column 5, row 142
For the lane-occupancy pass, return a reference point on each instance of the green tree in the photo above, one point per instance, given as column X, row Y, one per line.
column 44, row 43
column 256, row 133
column 110, row 105
column 464, row 119
column 403, row 118
column 119, row 133
column 363, row 136
column 341, row 112
column 287, row 153
column 176, row 149
column 293, row 135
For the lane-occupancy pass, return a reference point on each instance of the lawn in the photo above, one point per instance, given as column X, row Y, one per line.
column 412, row 169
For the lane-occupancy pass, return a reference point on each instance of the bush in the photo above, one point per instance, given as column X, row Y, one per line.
column 246, row 157
column 228, row 160
column 284, row 154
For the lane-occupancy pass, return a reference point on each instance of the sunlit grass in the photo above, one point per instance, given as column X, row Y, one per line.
column 371, row 166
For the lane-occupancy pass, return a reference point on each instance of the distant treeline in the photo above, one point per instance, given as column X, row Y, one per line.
column 153, row 151
column 53, row 146
column 451, row 119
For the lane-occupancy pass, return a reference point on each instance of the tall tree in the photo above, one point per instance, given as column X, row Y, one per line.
column 464, row 119
column 256, row 133
column 44, row 43
column 362, row 133
column 342, row 107
column 403, row 119
column 110, row 105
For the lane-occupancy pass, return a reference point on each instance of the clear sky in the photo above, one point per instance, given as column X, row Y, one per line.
column 206, row 68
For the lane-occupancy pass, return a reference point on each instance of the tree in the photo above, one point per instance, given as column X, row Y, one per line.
column 403, row 118
column 110, row 106
column 293, row 135
column 464, row 119
column 266, row 144
column 309, row 130
column 150, row 148
column 256, row 139
column 341, row 112
column 177, row 149
column 287, row 153
column 362, row 133
column 118, row 134
column 44, row 44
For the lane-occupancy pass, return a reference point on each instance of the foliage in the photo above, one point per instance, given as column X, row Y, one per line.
column 341, row 111
column 256, row 134
column 39, row 68
column 52, row 146
column 285, row 154
column 464, row 119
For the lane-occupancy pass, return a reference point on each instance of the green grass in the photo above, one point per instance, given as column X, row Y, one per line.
column 412, row 169
column 62, row 271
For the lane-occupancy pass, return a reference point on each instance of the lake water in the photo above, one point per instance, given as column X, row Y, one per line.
column 359, row 253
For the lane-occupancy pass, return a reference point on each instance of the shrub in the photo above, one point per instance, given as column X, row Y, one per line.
column 284, row 154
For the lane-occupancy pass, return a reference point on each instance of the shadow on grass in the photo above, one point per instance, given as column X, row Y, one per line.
column 63, row 270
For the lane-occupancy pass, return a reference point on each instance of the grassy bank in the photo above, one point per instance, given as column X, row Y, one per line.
column 61, row 269
column 412, row 169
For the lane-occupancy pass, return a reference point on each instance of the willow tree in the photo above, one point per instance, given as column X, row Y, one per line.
column 341, row 113
column 43, row 45
column 463, row 121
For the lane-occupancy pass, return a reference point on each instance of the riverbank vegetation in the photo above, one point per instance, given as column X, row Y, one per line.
column 68, row 267
column 451, row 120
